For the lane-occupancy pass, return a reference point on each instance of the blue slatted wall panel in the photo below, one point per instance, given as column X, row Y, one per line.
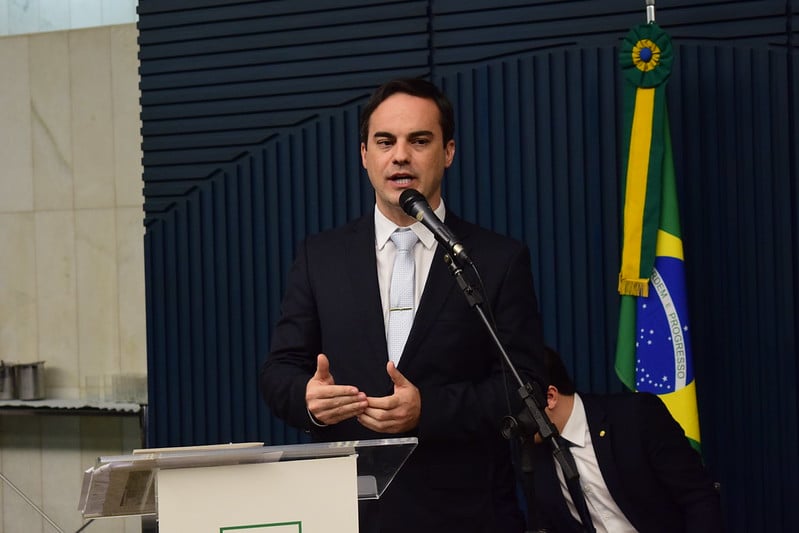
column 739, row 204
column 220, row 78
column 548, row 186
column 249, row 121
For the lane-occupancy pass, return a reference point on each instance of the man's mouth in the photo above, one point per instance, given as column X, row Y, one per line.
column 401, row 179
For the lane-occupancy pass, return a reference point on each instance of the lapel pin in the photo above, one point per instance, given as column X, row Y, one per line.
column 602, row 433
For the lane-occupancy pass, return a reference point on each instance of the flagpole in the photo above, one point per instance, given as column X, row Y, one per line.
column 650, row 11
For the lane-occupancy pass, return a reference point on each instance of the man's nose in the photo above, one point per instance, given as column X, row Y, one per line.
column 401, row 153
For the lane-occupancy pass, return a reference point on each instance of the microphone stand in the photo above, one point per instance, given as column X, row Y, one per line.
column 531, row 419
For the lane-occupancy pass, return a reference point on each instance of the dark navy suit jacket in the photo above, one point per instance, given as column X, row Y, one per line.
column 459, row 478
column 652, row 472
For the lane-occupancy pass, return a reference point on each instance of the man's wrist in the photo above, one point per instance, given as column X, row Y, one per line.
column 316, row 422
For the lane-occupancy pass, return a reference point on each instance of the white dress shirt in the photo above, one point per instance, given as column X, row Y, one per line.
column 605, row 514
column 385, row 250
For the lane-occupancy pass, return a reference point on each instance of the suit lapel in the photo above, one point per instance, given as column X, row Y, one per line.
column 439, row 287
column 361, row 268
column 602, row 439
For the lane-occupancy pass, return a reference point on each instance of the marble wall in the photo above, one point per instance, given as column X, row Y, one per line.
column 31, row 16
column 71, row 256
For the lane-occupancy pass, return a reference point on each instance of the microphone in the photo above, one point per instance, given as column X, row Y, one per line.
column 415, row 204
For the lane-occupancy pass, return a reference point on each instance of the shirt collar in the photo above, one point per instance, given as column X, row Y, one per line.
column 384, row 228
column 576, row 425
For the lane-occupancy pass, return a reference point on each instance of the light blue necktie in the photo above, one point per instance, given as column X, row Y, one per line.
column 400, row 311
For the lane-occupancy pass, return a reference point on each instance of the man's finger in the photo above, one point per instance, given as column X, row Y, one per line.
column 336, row 411
column 322, row 368
column 396, row 376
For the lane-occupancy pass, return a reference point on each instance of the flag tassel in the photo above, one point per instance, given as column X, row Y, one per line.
column 634, row 287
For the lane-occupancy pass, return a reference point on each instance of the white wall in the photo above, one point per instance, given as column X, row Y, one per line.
column 71, row 256
column 32, row 16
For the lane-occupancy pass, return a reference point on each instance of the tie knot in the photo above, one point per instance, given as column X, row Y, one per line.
column 404, row 239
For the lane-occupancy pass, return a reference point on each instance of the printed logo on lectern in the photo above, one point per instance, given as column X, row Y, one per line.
column 278, row 527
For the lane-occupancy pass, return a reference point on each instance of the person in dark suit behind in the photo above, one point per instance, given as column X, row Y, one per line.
column 637, row 470
column 330, row 370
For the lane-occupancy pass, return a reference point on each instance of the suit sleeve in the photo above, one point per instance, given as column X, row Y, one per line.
column 295, row 343
column 679, row 467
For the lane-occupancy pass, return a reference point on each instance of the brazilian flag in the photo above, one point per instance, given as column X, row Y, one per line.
column 653, row 352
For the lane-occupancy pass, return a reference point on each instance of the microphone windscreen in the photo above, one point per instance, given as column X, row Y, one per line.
column 408, row 198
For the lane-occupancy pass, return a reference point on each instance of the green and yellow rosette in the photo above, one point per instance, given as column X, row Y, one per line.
column 645, row 56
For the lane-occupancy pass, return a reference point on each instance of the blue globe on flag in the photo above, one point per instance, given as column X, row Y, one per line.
column 663, row 362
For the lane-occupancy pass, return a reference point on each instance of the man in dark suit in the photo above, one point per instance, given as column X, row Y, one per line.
column 330, row 372
column 637, row 470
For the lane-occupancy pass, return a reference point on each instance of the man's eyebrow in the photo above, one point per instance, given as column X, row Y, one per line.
column 413, row 134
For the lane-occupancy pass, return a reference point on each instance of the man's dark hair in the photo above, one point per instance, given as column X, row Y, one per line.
column 414, row 87
column 558, row 375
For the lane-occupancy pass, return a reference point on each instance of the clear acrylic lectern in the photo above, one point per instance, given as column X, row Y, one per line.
column 245, row 486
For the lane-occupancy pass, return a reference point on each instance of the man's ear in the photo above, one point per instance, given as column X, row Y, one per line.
column 552, row 397
column 449, row 153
